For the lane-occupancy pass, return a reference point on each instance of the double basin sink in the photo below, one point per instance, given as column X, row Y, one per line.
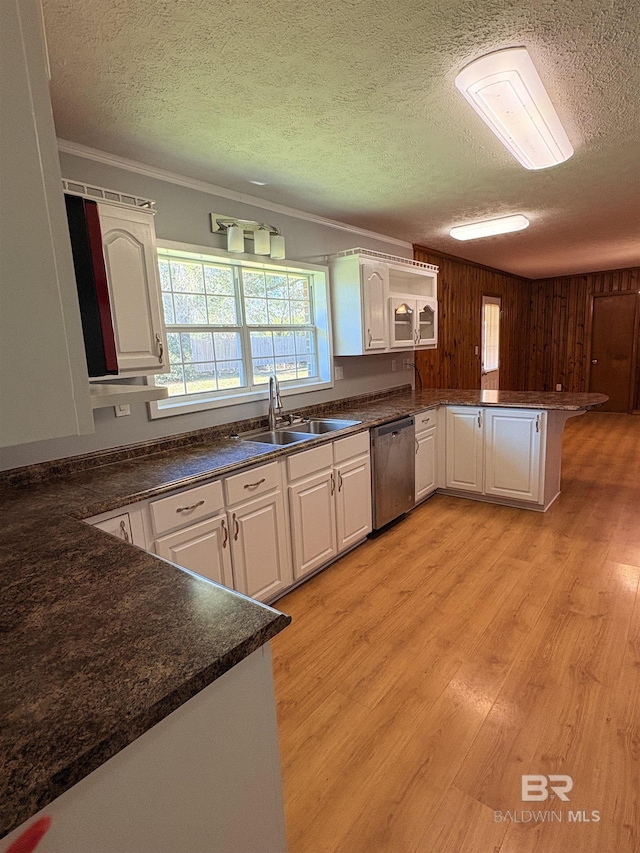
column 302, row 431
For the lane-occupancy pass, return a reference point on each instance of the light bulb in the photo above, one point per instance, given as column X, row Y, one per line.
column 235, row 239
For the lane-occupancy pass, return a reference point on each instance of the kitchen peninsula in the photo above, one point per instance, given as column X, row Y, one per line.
column 103, row 640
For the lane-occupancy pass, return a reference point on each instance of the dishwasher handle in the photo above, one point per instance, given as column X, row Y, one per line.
column 395, row 427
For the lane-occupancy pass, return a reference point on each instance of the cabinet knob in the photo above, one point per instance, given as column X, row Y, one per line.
column 594, row 361
column 125, row 532
column 226, row 533
column 160, row 348
column 237, row 528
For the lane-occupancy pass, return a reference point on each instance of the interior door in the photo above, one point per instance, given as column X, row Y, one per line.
column 490, row 337
column 613, row 349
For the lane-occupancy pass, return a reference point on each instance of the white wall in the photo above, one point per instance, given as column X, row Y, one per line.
column 183, row 215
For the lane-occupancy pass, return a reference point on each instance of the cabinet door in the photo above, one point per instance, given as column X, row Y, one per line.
column 128, row 238
column 313, row 522
column 353, row 501
column 465, row 449
column 45, row 392
column 402, row 320
column 202, row 548
column 512, row 453
column 425, row 463
column 261, row 557
column 426, row 322
column 374, row 279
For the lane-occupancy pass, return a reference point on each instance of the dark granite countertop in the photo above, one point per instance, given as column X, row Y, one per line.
column 101, row 639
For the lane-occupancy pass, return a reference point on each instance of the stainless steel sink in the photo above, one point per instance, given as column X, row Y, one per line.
column 278, row 436
column 318, row 426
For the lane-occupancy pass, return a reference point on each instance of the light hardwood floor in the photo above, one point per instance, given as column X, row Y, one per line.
column 429, row 669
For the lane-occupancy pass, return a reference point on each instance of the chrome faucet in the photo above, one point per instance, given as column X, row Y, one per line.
column 275, row 401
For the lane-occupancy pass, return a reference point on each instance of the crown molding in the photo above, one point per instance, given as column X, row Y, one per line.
column 68, row 147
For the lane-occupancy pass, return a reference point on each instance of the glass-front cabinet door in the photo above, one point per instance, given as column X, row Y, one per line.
column 427, row 323
column 403, row 322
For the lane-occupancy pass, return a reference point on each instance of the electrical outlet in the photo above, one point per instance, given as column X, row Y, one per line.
column 558, row 387
column 339, row 373
column 122, row 410
column 407, row 364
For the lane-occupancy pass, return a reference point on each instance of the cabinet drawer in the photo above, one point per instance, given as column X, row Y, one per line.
column 309, row 461
column 352, row 445
column 250, row 484
column 425, row 420
column 118, row 525
column 186, row 507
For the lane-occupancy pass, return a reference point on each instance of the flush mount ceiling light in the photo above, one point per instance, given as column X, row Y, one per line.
column 267, row 239
column 490, row 227
column 506, row 91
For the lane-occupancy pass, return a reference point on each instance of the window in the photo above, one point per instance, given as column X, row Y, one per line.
column 490, row 333
column 232, row 323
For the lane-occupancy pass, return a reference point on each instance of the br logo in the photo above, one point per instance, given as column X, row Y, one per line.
column 536, row 787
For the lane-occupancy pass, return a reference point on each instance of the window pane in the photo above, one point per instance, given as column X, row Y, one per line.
column 222, row 311
column 165, row 278
column 301, row 313
column 262, row 345
column 256, row 312
column 219, row 280
column 304, row 342
column 298, row 288
column 277, row 286
column 278, row 312
column 305, row 367
column 187, row 278
column 200, row 377
column 174, row 381
column 227, row 345
column 230, row 374
column 173, row 341
column 197, row 346
column 167, row 304
column 190, row 310
column 262, row 369
column 284, row 343
column 285, row 367
column 254, row 284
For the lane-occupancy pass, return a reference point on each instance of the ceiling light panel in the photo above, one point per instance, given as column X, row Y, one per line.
column 506, row 91
column 490, row 227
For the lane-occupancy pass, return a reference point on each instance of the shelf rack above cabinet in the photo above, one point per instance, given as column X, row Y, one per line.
column 382, row 256
column 103, row 194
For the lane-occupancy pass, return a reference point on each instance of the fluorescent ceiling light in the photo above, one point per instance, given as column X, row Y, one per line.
column 490, row 227
column 506, row 91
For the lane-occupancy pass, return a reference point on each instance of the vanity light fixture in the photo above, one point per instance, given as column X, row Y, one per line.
column 489, row 227
column 267, row 239
column 506, row 91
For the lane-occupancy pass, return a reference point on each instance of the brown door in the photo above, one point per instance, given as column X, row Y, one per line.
column 613, row 335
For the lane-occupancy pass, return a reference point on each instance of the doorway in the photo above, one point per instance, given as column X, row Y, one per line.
column 612, row 367
column 490, row 337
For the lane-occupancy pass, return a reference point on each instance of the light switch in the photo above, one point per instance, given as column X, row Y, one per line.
column 122, row 410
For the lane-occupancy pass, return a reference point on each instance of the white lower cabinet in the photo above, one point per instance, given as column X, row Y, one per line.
column 313, row 524
column 426, row 454
column 465, row 449
column 242, row 542
column 202, row 548
column 353, row 501
column 329, row 501
column 261, row 561
column 513, row 440
column 496, row 452
column 124, row 523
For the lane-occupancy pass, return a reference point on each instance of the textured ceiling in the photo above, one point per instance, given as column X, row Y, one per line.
column 347, row 108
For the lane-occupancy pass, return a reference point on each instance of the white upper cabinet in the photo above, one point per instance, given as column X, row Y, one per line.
column 128, row 237
column 45, row 393
column 368, row 288
column 375, row 283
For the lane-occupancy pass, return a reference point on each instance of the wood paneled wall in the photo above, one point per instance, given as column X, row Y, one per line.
column 461, row 285
column 560, row 327
column 545, row 325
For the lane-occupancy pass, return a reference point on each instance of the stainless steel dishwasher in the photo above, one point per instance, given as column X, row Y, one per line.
column 393, row 470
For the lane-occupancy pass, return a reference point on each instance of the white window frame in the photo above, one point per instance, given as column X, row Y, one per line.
column 171, row 406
